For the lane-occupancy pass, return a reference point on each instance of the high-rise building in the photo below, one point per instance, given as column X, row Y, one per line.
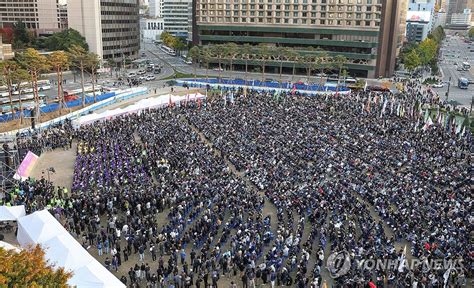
column 155, row 8
column 177, row 16
column 111, row 27
column 41, row 15
column 457, row 7
column 366, row 32
column 418, row 25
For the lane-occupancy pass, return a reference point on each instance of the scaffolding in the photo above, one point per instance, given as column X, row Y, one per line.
column 9, row 161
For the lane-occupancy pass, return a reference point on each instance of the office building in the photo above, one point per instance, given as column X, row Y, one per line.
column 418, row 25
column 155, row 8
column 461, row 19
column 177, row 17
column 44, row 16
column 366, row 32
column 6, row 51
column 151, row 28
column 423, row 6
column 457, row 7
column 111, row 27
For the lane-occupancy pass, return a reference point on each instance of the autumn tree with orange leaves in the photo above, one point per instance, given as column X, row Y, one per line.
column 28, row 268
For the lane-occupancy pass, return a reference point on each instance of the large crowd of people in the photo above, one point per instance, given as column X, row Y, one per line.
column 258, row 188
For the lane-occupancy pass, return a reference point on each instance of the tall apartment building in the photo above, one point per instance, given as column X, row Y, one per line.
column 111, row 27
column 177, row 16
column 366, row 32
column 44, row 16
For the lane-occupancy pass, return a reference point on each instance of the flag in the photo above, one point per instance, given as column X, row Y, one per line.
column 391, row 106
column 446, row 275
column 427, row 124
column 293, row 91
column 368, row 104
column 245, row 91
column 402, row 259
column 170, row 103
column 383, row 108
column 199, row 103
column 417, row 124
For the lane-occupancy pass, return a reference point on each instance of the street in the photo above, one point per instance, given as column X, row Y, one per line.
column 455, row 50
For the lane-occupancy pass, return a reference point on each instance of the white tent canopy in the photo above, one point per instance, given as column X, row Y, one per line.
column 11, row 213
column 63, row 250
column 38, row 228
column 148, row 103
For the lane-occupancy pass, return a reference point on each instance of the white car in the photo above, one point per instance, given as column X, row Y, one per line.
column 218, row 69
column 150, row 77
column 143, row 78
column 438, row 85
column 141, row 72
column 189, row 62
column 132, row 75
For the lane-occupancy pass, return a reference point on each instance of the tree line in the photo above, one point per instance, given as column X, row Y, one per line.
column 263, row 55
column 28, row 66
column 425, row 53
column 21, row 38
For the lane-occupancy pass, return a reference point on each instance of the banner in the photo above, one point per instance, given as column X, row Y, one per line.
column 26, row 166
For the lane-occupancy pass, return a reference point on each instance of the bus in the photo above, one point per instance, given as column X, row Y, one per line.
column 25, row 87
column 168, row 50
column 466, row 65
column 71, row 95
column 463, row 83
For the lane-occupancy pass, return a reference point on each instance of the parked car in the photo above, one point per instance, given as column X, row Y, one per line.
column 471, row 81
column 157, row 70
column 187, row 61
column 142, row 78
column 141, row 72
column 132, row 75
column 218, row 69
column 150, row 77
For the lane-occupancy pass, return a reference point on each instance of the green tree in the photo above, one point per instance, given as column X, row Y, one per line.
column 263, row 55
column 217, row 52
column 21, row 36
column 471, row 33
column 59, row 60
column 65, row 39
column 205, row 54
column 246, row 52
column 339, row 60
column 8, row 70
column 23, row 78
column 78, row 57
column 167, row 38
column 92, row 64
column 412, row 60
column 427, row 51
column 28, row 268
column 231, row 51
column 35, row 64
column 194, row 53
column 282, row 54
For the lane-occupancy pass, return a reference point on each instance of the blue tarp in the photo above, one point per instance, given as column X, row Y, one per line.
column 55, row 106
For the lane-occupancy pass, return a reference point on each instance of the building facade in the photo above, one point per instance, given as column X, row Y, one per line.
column 366, row 32
column 177, row 17
column 111, row 27
column 44, row 16
column 418, row 25
column 155, row 8
column 151, row 28
column 6, row 51
column 424, row 6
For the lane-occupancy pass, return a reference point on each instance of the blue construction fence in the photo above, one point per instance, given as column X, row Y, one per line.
column 55, row 106
column 269, row 84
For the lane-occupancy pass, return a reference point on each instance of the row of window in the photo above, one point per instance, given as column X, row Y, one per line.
column 339, row 2
column 121, row 38
column 294, row 14
column 155, row 26
column 291, row 21
column 294, row 7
